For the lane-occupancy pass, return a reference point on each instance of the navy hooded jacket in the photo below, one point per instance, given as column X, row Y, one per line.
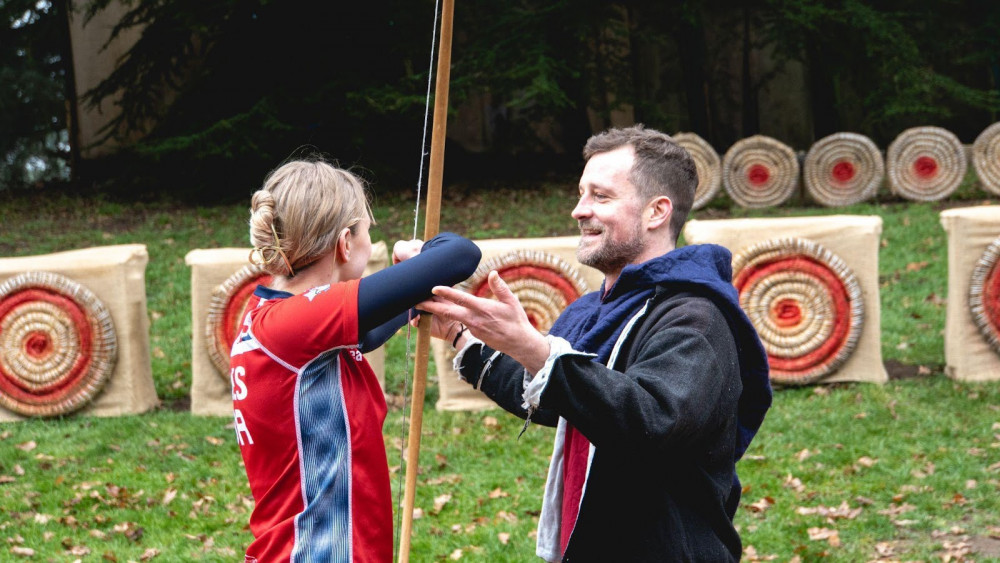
column 685, row 394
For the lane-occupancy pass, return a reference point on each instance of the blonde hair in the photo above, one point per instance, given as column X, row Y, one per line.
column 299, row 213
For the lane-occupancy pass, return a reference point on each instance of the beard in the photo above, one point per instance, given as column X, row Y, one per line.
column 607, row 255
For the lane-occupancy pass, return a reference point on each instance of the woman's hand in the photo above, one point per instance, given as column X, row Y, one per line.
column 406, row 249
column 441, row 327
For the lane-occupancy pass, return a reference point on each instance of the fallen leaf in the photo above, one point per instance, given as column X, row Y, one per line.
column 149, row 554
column 916, row 266
column 794, row 483
column 504, row 516
column 832, row 537
column 867, row 461
column 490, row 422
column 440, row 501
column 885, row 549
column 24, row 551
column 761, row 505
column 42, row 518
column 455, row 555
column 215, row 441
column 843, row 511
column 27, row 446
column 896, row 510
column 169, row 495
column 498, row 493
column 504, row 537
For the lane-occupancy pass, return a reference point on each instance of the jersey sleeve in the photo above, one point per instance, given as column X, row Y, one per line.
column 446, row 259
column 296, row 329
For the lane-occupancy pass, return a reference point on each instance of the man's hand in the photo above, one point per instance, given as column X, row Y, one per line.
column 406, row 249
column 502, row 323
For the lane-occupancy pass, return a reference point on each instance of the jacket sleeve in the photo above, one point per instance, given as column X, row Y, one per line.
column 678, row 382
column 500, row 378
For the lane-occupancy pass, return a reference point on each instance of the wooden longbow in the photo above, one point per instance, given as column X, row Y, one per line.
column 431, row 227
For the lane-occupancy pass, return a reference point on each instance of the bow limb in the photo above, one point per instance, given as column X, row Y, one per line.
column 435, row 175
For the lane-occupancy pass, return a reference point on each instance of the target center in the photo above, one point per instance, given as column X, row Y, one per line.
column 843, row 171
column 786, row 313
column 37, row 344
column 758, row 174
column 925, row 167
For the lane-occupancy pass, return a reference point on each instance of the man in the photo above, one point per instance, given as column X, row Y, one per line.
column 656, row 383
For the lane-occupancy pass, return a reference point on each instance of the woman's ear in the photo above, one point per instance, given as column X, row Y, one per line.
column 344, row 246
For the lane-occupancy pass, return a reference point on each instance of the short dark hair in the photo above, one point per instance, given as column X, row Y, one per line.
column 662, row 167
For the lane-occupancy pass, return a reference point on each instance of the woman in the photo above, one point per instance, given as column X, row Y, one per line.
column 307, row 406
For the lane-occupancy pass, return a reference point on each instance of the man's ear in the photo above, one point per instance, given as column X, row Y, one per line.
column 657, row 212
column 344, row 242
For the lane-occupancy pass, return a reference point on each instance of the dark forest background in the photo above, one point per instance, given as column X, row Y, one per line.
column 215, row 93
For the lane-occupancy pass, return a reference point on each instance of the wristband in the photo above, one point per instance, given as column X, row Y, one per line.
column 458, row 334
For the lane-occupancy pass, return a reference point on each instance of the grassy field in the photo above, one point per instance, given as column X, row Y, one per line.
column 852, row 472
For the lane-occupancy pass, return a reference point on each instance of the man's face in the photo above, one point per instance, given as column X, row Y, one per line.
column 609, row 212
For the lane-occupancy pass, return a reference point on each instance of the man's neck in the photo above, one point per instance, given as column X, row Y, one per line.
column 611, row 278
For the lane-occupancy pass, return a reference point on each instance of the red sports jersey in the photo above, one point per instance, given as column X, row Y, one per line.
column 309, row 414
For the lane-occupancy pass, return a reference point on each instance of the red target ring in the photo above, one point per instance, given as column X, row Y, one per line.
column 226, row 311
column 544, row 284
column 758, row 174
column 804, row 302
column 57, row 345
column 842, row 172
column 984, row 295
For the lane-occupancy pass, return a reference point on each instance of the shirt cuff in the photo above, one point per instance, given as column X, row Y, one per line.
column 470, row 341
column 535, row 385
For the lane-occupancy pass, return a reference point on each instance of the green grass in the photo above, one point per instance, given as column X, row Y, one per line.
column 917, row 461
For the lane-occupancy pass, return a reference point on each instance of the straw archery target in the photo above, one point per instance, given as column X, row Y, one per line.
column 225, row 313
column 708, row 165
column 925, row 163
column 57, row 345
column 984, row 295
column 986, row 158
column 760, row 172
column 843, row 169
column 543, row 283
column 805, row 303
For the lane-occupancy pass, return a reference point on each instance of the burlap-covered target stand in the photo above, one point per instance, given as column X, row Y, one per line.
column 986, row 158
column 707, row 163
column 925, row 163
column 843, row 169
column 74, row 334
column 971, row 352
column 760, row 172
column 810, row 286
column 544, row 275
column 222, row 281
